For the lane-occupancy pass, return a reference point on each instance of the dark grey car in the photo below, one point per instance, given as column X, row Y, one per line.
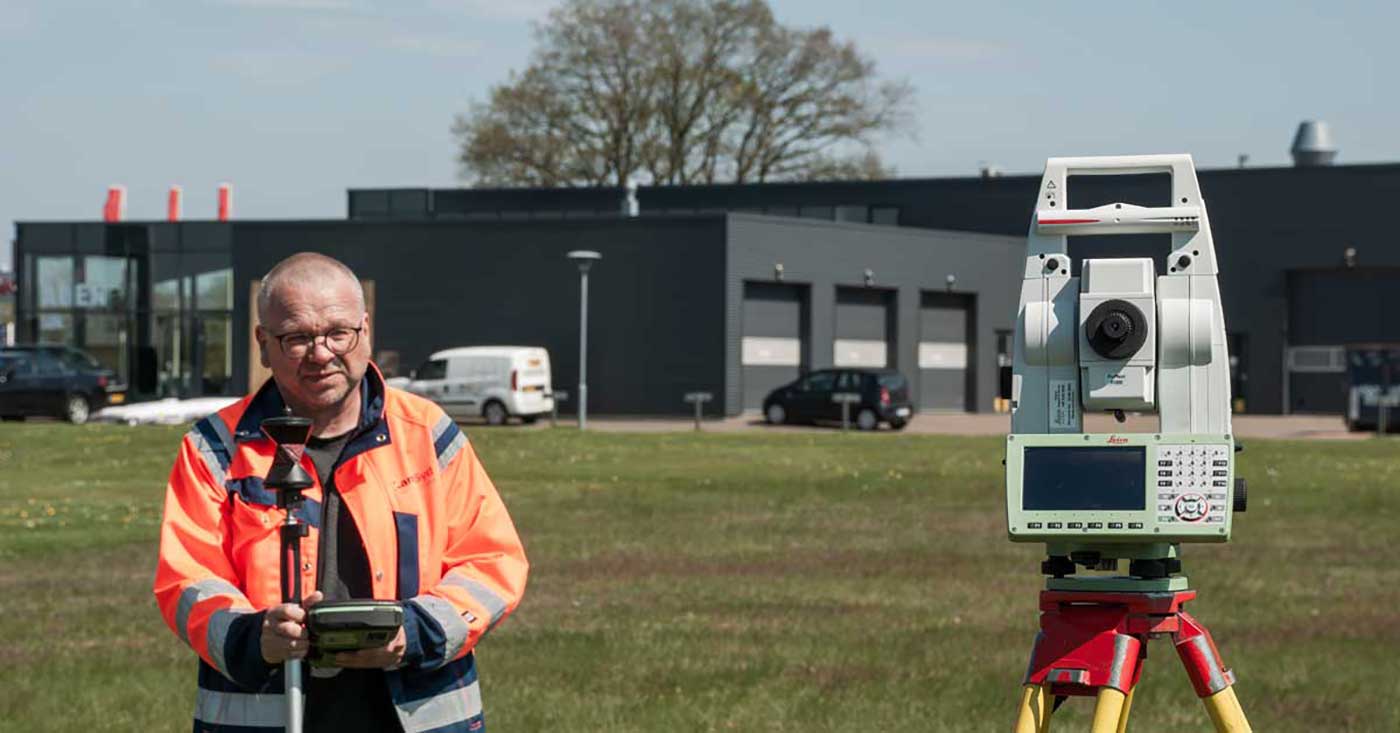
column 884, row 397
column 54, row 381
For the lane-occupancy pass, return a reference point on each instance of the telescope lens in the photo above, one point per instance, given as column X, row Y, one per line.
column 1116, row 329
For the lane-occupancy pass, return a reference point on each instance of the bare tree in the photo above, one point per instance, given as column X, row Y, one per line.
column 685, row 91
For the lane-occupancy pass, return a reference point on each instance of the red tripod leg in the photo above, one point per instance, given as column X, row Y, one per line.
column 1213, row 682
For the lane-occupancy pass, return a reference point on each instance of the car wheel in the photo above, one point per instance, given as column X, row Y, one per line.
column 495, row 413
column 776, row 414
column 898, row 424
column 866, row 419
column 77, row 410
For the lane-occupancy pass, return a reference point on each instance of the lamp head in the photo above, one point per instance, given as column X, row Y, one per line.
column 584, row 258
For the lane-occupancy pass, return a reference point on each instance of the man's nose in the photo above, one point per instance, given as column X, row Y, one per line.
column 320, row 352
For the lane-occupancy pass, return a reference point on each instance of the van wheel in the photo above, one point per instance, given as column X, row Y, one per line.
column 495, row 413
column 77, row 410
column 867, row 419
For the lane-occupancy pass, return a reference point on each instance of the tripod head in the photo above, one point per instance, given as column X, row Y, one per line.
column 286, row 476
column 1119, row 337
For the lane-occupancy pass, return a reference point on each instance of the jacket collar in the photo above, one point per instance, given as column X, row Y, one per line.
column 267, row 402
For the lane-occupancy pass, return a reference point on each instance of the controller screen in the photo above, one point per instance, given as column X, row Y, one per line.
column 1089, row 478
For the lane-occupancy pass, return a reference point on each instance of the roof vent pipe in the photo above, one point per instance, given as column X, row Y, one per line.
column 1313, row 145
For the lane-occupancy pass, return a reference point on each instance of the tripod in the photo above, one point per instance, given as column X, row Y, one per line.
column 289, row 479
column 1094, row 643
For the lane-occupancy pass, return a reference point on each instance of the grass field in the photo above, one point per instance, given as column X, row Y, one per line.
column 794, row 582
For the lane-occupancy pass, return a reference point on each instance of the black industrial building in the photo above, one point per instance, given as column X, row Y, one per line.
column 730, row 289
column 732, row 304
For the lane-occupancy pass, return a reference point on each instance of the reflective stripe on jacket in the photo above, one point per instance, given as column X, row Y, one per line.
column 436, row 533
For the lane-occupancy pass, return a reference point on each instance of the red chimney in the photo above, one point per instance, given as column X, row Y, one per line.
column 115, row 208
column 225, row 201
column 172, row 205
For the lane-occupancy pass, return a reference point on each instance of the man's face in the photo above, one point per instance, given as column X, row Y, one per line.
column 319, row 380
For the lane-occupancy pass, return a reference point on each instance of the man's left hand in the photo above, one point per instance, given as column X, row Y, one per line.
column 385, row 657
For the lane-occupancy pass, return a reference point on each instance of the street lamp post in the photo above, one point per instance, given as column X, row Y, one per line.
column 584, row 259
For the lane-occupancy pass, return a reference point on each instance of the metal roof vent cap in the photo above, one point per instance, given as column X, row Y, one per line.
column 1313, row 144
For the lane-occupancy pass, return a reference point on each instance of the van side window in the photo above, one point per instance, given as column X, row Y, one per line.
column 432, row 369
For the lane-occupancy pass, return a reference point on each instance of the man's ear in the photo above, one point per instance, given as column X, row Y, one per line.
column 261, row 336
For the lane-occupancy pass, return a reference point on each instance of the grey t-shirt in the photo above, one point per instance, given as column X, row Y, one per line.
column 352, row 699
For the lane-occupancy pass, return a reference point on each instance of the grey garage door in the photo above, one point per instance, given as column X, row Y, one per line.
column 1328, row 309
column 772, row 352
column 864, row 334
column 945, row 351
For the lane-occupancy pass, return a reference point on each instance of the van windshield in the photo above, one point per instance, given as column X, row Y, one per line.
column 432, row 369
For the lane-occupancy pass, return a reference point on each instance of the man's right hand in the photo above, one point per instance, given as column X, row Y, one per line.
column 284, row 634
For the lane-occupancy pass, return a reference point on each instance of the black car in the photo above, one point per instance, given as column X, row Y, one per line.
column 884, row 397
column 56, row 381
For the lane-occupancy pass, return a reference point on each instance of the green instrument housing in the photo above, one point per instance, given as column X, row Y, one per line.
column 1122, row 494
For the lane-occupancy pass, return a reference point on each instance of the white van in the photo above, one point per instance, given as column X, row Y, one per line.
column 494, row 382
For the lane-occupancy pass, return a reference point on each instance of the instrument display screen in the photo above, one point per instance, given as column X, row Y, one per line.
column 1111, row 478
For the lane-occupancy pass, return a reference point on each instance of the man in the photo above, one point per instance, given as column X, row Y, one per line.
column 402, row 509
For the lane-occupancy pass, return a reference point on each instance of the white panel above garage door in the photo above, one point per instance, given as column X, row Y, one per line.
column 859, row 353
column 942, row 355
column 771, row 351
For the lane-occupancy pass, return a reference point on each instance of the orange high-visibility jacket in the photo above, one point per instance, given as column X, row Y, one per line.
column 437, row 536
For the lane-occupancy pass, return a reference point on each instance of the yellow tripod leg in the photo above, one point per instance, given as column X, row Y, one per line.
column 1034, row 713
column 1108, row 710
column 1225, row 712
column 1123, row 717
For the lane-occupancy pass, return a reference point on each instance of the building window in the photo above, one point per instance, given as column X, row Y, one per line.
column 885, row 215
column 55, row 280
column 859, row 214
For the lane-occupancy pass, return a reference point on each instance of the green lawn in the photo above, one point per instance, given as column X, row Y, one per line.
column 790, row 582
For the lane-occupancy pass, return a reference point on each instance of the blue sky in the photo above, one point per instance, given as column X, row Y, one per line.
column 293, row 101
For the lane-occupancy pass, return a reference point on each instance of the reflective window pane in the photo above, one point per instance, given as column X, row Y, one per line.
column 217, row 340
column 214, row 290
column 55, row 328
column 104, row 338
column 54, row 276
column 165, row 295
column 103, row 283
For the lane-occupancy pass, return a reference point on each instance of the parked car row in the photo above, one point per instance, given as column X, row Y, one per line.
column 54, row 381
column 496, row 383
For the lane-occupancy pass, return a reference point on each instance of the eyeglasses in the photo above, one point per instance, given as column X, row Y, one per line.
column 338, row 341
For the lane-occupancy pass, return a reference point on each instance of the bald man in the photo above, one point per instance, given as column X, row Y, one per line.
column 402, row 510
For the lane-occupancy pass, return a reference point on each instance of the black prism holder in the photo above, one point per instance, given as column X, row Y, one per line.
column 288, row 479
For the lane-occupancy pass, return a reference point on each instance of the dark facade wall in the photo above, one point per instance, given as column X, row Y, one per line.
column 826, row 256
column 656, row 300
column 1266, row 221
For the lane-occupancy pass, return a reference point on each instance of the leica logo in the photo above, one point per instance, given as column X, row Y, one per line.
column 1117, row 440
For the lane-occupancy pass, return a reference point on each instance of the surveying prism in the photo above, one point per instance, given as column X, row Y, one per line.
column 288, row 479
column 1119, row 337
